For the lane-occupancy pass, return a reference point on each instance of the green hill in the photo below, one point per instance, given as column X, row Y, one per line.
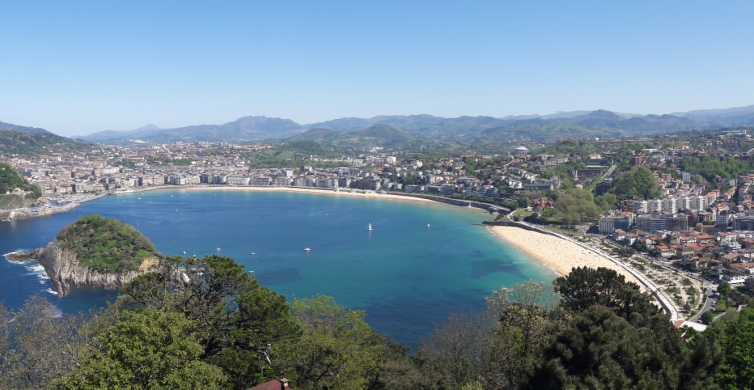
column 106, row 245
column 23, row 140
column 10, row 181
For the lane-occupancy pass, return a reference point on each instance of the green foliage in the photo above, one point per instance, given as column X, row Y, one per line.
column 713, row 168
column 147, row 349
column 574, row 206
column 606, row 202
column 11, row 180
column 599, row 349
column 206, row 323
column 338, row 349
column 106, row 245
column 585, row 287
column 24, row 143
column 736, row 340
column 37, row 345
column 638, row 183
column 501, row 345
column 234, row 319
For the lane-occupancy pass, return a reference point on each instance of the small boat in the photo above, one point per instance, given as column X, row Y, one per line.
column 369, row 227
column 307, row 250
column 219, row 249
column 252, row 253
column 429, row 226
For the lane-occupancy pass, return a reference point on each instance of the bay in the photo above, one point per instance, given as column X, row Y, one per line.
column 406, row 276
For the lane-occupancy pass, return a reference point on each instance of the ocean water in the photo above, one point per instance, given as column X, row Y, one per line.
column 407, row 277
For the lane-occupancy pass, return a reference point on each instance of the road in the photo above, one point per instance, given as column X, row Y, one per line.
column 665, row 301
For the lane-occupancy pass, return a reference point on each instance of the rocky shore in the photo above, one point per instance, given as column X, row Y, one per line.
column 67, row 273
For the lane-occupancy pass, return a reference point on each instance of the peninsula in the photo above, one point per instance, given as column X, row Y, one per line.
column 97, row 252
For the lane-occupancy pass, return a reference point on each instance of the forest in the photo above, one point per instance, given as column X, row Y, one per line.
column 220, row 329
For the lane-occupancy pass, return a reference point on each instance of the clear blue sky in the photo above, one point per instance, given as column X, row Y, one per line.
column 77, row 67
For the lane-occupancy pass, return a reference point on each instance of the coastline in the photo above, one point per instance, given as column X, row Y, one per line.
column 553, row 252
column 556, row 254
column 34, row 212
column 300, row 190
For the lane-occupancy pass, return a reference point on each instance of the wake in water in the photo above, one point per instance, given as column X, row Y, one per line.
column 38, row 270
column 34, row 268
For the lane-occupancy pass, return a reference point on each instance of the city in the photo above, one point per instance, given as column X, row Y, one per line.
column 377, row 195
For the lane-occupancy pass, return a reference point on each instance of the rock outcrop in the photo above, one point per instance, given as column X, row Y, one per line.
column 67, row 273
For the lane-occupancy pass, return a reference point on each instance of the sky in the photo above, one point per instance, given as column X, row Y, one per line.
column 78, row 67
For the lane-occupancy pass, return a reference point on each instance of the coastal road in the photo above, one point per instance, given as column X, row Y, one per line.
column 648, row 284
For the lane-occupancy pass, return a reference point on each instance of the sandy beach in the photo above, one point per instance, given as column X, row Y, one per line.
column 356, row 194
column 554, row 253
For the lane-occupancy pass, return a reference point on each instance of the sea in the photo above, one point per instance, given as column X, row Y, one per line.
column 420, row 263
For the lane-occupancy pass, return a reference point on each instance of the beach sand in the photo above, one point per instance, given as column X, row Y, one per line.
column 555, row 254
column 364, row 195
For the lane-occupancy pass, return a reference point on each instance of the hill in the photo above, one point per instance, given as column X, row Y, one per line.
column 727, row 117
column 106, row 245
column 22, row 140
column 11, row 181
column 245, row 129
column 468, row 130
column 323, row 141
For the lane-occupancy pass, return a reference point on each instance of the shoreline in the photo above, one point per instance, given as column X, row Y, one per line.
column 553, row 253
column 299, row 190
column 29, row 213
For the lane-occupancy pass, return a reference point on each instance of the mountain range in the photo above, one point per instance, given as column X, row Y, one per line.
column 463, row 129
column 394, row 131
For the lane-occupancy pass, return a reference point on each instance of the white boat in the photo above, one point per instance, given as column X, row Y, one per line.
column 429, row 226
column 252, row 253
column 307, row 250
column 369, row 227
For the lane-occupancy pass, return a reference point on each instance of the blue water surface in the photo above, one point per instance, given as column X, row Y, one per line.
column 408, row 277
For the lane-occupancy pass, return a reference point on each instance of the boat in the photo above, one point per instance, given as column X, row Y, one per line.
column 252, row 253
column 429, row 226
column 307, row 250
column 369, row 227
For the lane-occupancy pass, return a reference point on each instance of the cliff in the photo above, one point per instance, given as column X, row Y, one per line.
column 67, row 273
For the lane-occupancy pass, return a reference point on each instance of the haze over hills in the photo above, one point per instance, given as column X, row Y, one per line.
column 397, row 131
column 464, row 129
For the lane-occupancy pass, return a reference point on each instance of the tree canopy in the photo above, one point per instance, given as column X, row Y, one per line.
column 573, row 206
column 10, row 180
column 216, row 327
column 638, row 183
column 106, row 245
column 713, row 168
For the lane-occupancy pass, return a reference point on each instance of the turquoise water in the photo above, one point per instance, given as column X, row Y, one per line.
column 406, row 276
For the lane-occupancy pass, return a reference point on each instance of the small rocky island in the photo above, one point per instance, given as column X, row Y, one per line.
column 97, row 252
